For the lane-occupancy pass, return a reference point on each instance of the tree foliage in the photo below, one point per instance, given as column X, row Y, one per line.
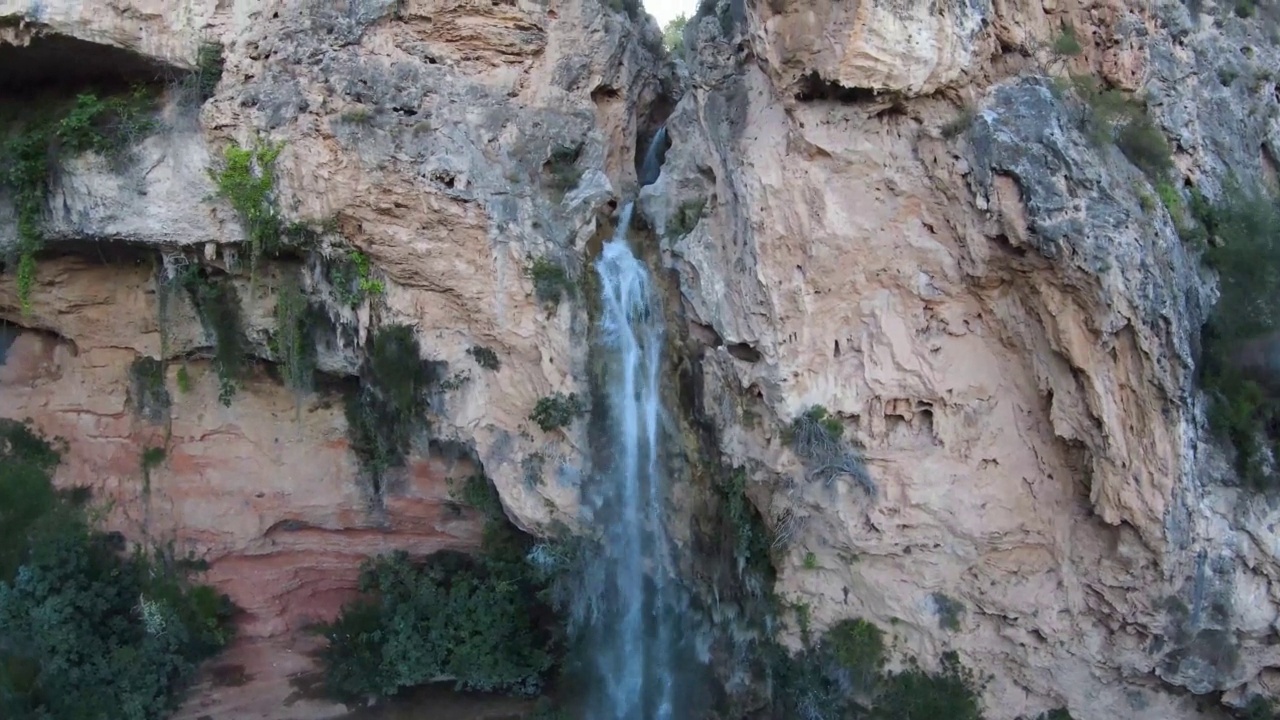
column 87, row 633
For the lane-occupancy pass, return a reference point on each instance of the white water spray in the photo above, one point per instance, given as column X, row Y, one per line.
column 635, row 647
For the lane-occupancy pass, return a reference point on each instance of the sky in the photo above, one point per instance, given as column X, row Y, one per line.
column 665, row 10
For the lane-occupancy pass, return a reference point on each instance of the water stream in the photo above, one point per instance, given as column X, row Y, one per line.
column 636, row 634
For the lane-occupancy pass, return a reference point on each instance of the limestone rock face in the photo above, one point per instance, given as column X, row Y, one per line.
column 883, row 207
column 453, row 144
column 1005, row 324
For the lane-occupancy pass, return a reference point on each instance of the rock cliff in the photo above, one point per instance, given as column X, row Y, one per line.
column 890, row 210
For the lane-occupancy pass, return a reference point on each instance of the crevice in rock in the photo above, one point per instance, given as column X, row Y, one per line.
column 813, row 87
column 744, row 352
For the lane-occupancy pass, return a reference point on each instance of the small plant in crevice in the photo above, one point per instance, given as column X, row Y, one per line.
column 556, row 411
column 390, row 405
column 184, row 379
column 352, row 279
column 686, row 217
column 32, row 152
column 817, row 437
column 1114, row 116
column 949, row 611
column 485, row 357
column 561, row 168
column 810, row 561
column 960, row 123
column 147, row 392
column 531, row 468
column 1067, row 44
column 246, row 180
column 550, row 281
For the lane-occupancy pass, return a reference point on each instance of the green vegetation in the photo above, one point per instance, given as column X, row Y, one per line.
column 359, row 115
column 550, row 281
column 147, row 392
column 563, row 173
column 960, row 123
column 218, row 306
column 842, row 677
column 857, row 646
column 484, row 357
column 247, row 181
column 32, row 151
column 1258, row 708
column 673, row 34
column 913, row 693
column 1115, row 116
column 152, row 457
column 184, row 379
column 209, row 63
column 87, row 633
column 751, row 538
column 481, row 621
column 818, row 438
column 293, row 345
column 810, row 561
column 686, row 217
column 352, row 279
column 1244, row 407
column 557, row 411
column 949, row 611
column 391, row 402
column 1067, row 44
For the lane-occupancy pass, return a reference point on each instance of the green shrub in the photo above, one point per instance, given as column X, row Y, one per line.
column 184, row 379
column 392, row 400
column 810, row 561
column 1067, row 44
column 1243, row 405
column 247, row 180
column 557, row 411
column 949, row 611
column 857, row 647
column 1115, row 116
column 485, row 358
column 86, row 633
column 949, row 694
column 352, row 279
column 550, row 281
column 686, row 217
column 32, row 151
column 478, row 621
column 751, row 538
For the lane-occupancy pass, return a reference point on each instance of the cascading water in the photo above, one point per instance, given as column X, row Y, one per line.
column 634, row 650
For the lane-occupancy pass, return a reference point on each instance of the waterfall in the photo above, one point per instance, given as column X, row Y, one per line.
column 635, row 637
column 651, row 166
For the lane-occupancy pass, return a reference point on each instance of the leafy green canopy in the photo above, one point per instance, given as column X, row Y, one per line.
column 86, row 633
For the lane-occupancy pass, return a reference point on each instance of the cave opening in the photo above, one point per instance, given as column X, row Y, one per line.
column 51, row 64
